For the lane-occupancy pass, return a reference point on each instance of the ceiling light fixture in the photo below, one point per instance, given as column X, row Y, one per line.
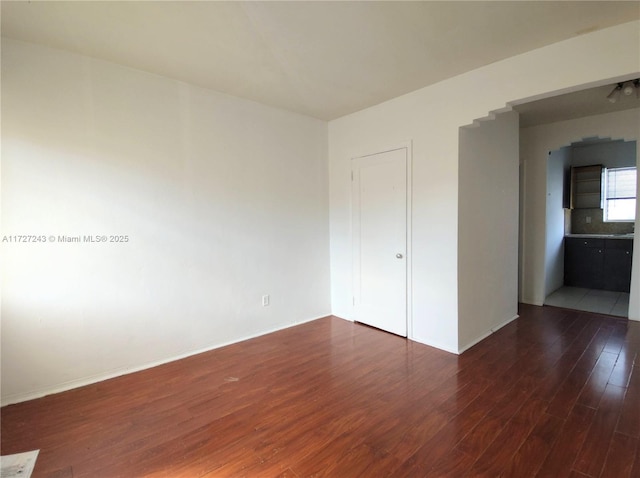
column 626, row 87
column 615, row 94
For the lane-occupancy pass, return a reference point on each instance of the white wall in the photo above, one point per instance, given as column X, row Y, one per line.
column 613, row 154
column 487, row 231
column 558, row 162
column 535, row 143
column 223, row 200
column 430, row 118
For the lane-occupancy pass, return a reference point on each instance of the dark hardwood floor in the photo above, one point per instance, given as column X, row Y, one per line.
column 555, row 393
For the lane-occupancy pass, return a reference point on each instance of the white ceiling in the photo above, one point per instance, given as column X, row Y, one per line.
column 323, row 59
column 587, row 102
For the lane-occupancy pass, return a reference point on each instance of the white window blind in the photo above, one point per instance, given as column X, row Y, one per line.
column 620, row 194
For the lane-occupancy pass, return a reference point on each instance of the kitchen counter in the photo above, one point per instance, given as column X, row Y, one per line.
column 603, row 236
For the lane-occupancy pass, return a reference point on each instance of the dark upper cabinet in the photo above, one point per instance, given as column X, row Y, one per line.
column 586, row 187
column 596, row 263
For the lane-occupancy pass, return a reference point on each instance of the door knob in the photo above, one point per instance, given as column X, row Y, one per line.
column 399, row 256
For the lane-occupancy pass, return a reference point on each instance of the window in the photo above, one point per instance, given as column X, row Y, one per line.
column 620, row 194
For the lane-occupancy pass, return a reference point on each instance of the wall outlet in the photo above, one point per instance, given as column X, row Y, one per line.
column 588, row 219
column 265, row 300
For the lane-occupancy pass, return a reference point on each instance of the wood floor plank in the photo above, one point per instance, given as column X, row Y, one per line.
column 439, row 447
column 560, row 459
column 506, row 405
column 529, row 458
column 635, row 470
column 436, row 450
column 577, row 474
column 67, row 472
column 454, row 465
column 571, row 388
column 621, row 456
column 593, row 389
column 591, row 458
column 554, row 393
column 629, row 423
column 560, row 370
column 622, row 371
column 498, row 456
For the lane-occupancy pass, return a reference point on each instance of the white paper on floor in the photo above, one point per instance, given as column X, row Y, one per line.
column 19, row 465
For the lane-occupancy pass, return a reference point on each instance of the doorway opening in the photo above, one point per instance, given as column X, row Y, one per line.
column 588, row 259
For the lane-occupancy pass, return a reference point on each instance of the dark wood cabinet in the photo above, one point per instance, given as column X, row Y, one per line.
column 617, row 265
column 586, row 187
column 583, row 262
column 597, row 263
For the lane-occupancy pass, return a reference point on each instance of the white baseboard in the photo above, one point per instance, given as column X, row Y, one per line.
column 83, row 381
column 342, row 318
column 420, row 340
column 486, row 334
column 529, row 301
column 431, row 343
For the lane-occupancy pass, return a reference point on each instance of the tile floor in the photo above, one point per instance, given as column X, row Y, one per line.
column 600, row 301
